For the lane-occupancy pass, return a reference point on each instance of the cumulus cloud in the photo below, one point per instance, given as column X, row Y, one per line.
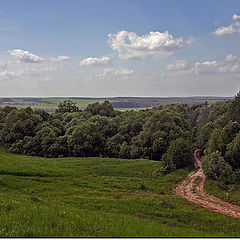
column 226, row 30
column 117, row 72
column 95, row 61
column 155, row 44
column 25, row 56
column 206, row 67
column 231, row 64
column 234, row 27
column 60, row 59
column 235, row 17
column 178, row 65
column 230, row 58
column 27, row 72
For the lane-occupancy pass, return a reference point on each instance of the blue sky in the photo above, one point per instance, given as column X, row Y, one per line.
column 119, row 48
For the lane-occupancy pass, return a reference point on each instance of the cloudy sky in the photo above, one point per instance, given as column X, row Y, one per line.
column 119, row 48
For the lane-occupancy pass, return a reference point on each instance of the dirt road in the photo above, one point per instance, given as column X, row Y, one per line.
column 192, row 188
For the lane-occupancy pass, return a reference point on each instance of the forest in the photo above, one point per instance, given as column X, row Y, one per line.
column 169, row 134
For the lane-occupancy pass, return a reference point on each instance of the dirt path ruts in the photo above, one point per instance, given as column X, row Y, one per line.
column 193, row 190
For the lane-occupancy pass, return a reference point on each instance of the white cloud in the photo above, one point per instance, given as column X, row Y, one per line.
column 235, row 68
column 27, row 72
column 206, row 67
column 117, row 72
column 234, row 27
column 225, row 30
column 155, row 44
column 60, row 59
column 230, row 58
column 8, row 74
column 95, row 61
column 231, row 64
column 235, row 17
column 178, row 65
column 36, row 71
column 3, row 64
column 25, row 56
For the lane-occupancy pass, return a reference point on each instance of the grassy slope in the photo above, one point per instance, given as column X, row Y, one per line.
column 98, row 197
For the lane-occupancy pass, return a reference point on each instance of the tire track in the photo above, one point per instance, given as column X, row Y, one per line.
column 193, row 191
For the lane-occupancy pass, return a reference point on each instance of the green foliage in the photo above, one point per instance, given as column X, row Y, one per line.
column 98, row 130
column 234, row 109
column 216, row 168
column 102, row 109
column 168, row 165
column 179, row 154
column 233, row 152
column 86, row 140
column 67, row 106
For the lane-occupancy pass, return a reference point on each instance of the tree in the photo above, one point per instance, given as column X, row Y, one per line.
column 215, row 167
column 124, row 150
column 233, row 152
column 103, row 109
column 113, row 145
column 67, row 106
column 86, row 140
column 235, row 108
column 179, row 153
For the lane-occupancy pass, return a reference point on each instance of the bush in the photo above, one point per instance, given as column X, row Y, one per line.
column 179, row 155
column 168, row 165
column 216, row 168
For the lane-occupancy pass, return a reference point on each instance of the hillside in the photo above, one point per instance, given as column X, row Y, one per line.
column 90, row 197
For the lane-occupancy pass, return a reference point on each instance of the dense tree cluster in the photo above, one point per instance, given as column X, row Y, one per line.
column 219, row 136
column 99, row 130
column 166, row 134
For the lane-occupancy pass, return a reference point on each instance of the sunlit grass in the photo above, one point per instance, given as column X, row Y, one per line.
column 80, row 197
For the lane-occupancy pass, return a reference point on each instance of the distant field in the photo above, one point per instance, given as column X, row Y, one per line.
column 122, row 103
column 99, row 197
column 49, row 104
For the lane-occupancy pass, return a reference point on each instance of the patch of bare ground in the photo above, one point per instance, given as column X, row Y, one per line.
column 192, row 188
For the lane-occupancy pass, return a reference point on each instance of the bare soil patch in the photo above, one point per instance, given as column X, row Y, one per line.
column 192, row 188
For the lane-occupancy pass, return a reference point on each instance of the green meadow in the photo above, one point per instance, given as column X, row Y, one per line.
column 48, row 103
column 124, row 103
column 100, row 197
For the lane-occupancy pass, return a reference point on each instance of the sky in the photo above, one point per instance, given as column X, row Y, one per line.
column 100, row 48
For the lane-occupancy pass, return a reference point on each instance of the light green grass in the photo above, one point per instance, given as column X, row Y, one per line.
column 81, row 103
column 92, row 197
column 50, row 103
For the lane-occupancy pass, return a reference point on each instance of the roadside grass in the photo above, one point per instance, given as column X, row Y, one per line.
column 99, row 197
column 231, row 195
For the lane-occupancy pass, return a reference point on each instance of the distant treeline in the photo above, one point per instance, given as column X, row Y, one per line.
column 117, row 102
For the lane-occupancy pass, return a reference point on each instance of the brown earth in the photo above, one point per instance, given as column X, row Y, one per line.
column 192, row 188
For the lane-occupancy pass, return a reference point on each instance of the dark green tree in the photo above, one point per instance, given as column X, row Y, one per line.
column 67, row 106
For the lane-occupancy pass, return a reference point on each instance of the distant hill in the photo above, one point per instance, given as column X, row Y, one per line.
column 51, row 103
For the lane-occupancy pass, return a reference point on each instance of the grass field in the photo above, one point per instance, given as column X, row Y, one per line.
column 49, row 104
column 93, row 197
column 121, row 103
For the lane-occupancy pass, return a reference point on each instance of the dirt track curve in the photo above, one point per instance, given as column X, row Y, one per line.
column 192, row 188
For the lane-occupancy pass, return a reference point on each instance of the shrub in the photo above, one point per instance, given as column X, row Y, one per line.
column 216, row 168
